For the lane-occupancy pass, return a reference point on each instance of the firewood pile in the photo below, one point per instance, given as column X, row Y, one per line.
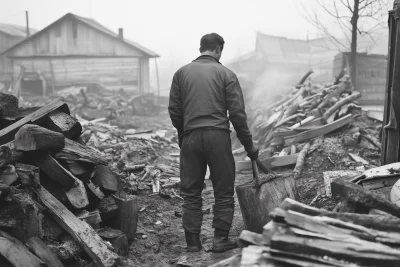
column 61, row 204
column 289, row 128
column 300, row 235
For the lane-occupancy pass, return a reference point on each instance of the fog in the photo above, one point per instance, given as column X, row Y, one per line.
column 173, row 28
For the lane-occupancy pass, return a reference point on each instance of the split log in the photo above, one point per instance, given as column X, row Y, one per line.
column 285, row 120
column 63, row 123
column 292, row 99
column 28, row 174
column 361, row 196
column 372, row 140
column 319, row 131
column 79, row 230
column 38, row 117
column 81, row 170
column 67, row 249
column 128, row 216
column 106, row 179
column 335, row 249
column 8, row 105
column 301, row 123
column 339, row 104
column 300, row 160
column 76, row 152
column 55, row 171
column 117, row 239
column 285, row 151
column 17, row 253
column 35, row 138
column 95, row 195
column 9, row 155
column 43, row 252
column 253, row 238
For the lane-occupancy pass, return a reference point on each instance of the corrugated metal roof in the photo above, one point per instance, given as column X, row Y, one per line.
column 14, row 30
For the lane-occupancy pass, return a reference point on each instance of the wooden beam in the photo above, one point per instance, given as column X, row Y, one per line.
column 358, row 194
column 304, row 136
column 38, row 117
column 79, row 230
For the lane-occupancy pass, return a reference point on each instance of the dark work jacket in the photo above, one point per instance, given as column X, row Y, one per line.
column 201, row 95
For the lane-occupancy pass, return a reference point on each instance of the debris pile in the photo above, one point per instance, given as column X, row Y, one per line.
column 61, row 204
column 292, row 127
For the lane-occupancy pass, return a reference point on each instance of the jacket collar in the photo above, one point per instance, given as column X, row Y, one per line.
column 207, row 57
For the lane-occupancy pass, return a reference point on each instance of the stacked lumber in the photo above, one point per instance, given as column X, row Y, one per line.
column 285, row 129
column 300, row 235
column 59, row 200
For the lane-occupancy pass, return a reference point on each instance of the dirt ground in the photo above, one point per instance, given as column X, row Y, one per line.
column 160, row 237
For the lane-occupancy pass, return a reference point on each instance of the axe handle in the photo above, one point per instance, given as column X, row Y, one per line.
column 256, row 175
column 264, row 167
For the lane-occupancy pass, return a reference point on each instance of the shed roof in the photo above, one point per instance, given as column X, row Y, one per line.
column 15, row 30
column 91, row 23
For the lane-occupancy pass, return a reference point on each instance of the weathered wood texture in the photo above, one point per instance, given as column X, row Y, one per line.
column 273, row 162
column 35, row 138
column 362, row 196
column 77, row 152
column 8, row 105
column 17, row 253
column 43, row 252
column 28, row 215
column 106, row 179
column 257, row 202
column 79, row 230
column 8, row 154
column 128, row 216
column 38, row 117
column 63, row 123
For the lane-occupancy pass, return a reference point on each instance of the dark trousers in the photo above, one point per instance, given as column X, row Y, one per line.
column 200, row 148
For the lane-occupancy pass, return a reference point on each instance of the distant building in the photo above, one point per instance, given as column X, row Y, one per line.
column 371, row 78
column 11, row 35
column 76, row 50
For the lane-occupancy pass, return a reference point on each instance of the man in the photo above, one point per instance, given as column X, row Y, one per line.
column 202, row 93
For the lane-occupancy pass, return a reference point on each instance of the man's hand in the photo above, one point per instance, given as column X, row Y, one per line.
column 252, row 153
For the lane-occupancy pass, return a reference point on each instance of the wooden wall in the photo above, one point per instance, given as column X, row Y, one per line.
column 67, row 71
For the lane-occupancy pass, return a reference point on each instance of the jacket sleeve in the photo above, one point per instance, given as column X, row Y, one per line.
column 237, row 113
column 175, row 105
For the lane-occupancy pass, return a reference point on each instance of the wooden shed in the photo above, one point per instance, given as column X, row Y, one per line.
column 75, row 50
column 371, row 78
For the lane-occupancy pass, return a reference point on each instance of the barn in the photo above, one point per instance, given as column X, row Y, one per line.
column 73, row 51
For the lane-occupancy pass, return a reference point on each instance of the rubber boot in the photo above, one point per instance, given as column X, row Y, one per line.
column 192, row 242
column 221, row 241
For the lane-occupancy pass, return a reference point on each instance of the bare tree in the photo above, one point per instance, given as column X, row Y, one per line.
column 354, row 17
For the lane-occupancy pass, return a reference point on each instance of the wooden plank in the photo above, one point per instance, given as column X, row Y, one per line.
column 43, row 252
column 304, row 136
column 77, row 152
column 17, row 253
column 79, row 230
column 358, row 194
column 38, row 117
column 273, row 162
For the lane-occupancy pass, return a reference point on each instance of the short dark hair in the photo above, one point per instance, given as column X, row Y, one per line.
column 211, row 41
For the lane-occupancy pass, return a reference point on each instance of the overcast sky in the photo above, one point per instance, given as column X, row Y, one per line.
column 173, row 28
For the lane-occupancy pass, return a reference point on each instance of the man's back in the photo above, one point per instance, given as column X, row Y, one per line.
column 202, row 86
